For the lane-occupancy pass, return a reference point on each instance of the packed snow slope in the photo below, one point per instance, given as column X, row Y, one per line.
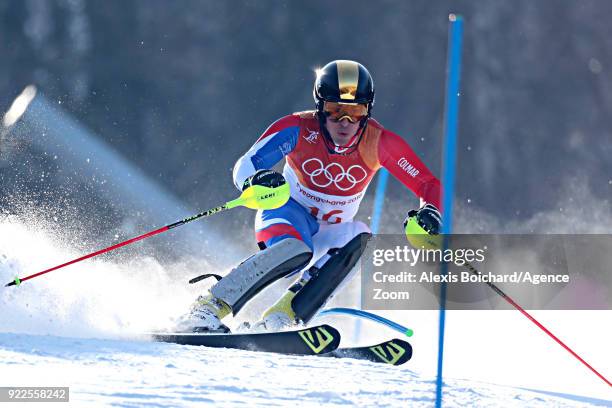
column 138, row 373
column 81, row 327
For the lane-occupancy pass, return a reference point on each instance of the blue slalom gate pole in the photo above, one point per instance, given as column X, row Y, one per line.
column 449, row 165
column 379, row 202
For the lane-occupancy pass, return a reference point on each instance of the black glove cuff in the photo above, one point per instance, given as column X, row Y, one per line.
column 264, row 177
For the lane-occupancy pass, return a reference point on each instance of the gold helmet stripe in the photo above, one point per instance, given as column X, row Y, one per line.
column 348, row 78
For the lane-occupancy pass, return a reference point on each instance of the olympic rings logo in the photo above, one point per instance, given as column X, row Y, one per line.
column 323, row 176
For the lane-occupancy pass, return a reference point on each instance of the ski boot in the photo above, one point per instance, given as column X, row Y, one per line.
column 279, row 316
column 205, row 316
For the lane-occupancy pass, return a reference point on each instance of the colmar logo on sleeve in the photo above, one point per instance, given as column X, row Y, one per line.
column 407, row 167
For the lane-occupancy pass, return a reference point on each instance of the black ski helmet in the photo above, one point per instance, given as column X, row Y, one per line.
column 344, row 81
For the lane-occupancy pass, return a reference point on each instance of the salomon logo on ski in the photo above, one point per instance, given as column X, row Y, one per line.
column 395, row 352
column 390, row 352
column 316, row 338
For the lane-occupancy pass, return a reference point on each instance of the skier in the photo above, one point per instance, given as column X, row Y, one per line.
column 332, row 154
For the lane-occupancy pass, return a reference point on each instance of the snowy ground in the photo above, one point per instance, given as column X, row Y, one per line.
column 78, row 328
column 135, row 373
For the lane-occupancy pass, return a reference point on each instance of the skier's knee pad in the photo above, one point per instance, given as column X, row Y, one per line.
column 260, row 270
column 324, row 280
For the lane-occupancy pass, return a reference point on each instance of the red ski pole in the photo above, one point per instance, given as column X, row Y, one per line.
column 256, row 197
column 540, row 325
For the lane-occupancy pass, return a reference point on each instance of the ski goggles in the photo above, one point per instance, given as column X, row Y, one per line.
column 352, row 111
